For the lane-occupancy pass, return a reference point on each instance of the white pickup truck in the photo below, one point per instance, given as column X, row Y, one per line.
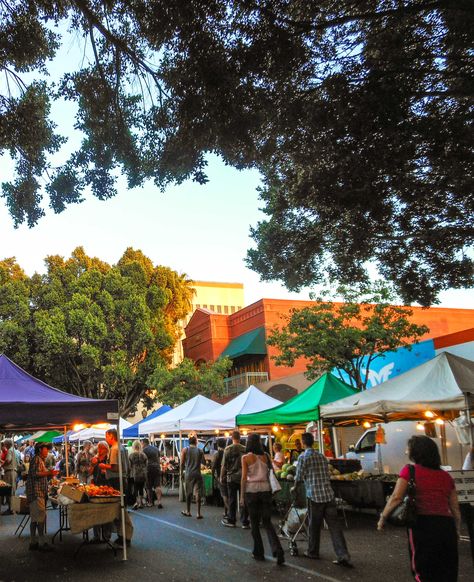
column 394, row 453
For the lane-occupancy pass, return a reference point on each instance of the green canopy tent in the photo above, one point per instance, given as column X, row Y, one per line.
column 47, row 437
column 302, row 408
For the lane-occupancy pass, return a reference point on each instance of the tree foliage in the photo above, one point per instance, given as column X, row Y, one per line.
column 177, row 385
column 90, row 328
column 347, row 336
column 359, row 114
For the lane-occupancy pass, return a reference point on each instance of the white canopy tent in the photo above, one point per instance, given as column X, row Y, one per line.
column 97, row 433
column 252, row 400
column 439, row 385
column 175, row 420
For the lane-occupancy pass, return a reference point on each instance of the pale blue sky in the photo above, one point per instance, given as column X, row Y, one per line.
column 202, row 231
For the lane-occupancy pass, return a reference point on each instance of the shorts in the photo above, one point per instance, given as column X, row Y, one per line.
column 223, row 490
column 153, row 477
column 38, row 510
column 194, row 485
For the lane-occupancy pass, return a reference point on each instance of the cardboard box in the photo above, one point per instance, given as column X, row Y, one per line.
column 20, row 505
column 72, row 493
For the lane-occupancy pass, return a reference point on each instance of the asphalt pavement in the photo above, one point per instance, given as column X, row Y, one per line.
column 174, row 548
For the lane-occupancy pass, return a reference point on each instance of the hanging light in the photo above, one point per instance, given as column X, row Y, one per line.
column 366, row 424
column 420, row 426
column 78, row 427
column 439, row 421
column 216, row 431
column 226, row 434
column 162, row 436
column 429, row 414
column 245, row 432
column 275, row 429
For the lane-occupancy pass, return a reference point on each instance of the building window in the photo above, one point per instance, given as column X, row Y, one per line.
column 198, row 306
column 211, row 307
column 239, row 308
column 219, row 309
column 226, row 309
column 232, row 309
column 204, row 306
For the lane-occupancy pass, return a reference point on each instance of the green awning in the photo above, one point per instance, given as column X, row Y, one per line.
column 48, row 436
column 251, row 343
column 303, row 407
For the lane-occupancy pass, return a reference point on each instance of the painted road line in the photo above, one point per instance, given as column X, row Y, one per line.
column 230, row 545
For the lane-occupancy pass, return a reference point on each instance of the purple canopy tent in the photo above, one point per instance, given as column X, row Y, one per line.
column 27, row 403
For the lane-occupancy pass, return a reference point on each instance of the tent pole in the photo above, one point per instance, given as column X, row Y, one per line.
column 321, row 437
column 270, row 448
column 468, row 416
column 181, row 469
column 67, row 453
column 337, row 451
column 444, row 451
column 122, row 498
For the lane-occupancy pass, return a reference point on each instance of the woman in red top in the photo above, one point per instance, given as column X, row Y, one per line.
column 433, row 541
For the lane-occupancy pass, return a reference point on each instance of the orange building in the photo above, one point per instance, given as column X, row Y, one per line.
column 242, row 336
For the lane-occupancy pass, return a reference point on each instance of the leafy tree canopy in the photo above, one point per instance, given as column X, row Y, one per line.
column 90, row 328
column 348, row 336
column 186, row 380
column 359, row 114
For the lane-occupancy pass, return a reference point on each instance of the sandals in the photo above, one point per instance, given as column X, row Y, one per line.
column 185, row 513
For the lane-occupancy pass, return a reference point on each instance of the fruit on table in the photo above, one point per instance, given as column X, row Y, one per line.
column 286, row 466
column 290, row 477
column 283, row 475
column 98, row 490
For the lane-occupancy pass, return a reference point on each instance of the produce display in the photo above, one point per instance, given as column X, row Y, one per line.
column 98, row 491
column 361, row 475
column 287, row 472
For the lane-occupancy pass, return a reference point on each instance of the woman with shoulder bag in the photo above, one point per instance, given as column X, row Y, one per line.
column 433, row 538
column 256, row 492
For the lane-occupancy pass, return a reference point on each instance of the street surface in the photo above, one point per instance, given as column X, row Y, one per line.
column 170, row 547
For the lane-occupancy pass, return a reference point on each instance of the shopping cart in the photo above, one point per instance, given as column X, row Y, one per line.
column 294, row 526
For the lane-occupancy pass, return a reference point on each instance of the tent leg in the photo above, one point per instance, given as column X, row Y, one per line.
column 122, row 497
column 270, row 448
column 320, row 437
column 468, row 416
column 67, row 452
column 337, row 451
column 181, row 469
column 444, row 450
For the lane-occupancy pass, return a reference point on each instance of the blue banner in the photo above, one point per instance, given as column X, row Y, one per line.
column 391, row 364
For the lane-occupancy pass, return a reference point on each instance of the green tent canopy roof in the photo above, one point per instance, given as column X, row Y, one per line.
column 303, row 407
column 250, row 343
column 47, row 437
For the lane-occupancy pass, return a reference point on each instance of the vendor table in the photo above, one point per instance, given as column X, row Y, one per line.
column 368, row 494
column 464, row 482
column 80, row 517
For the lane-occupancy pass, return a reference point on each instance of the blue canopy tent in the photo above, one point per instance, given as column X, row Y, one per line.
column 132, row 431
column 60, row 439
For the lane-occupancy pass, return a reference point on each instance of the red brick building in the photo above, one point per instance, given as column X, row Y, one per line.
column 242, row 336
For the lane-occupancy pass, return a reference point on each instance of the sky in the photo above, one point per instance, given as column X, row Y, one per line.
column 202, row 231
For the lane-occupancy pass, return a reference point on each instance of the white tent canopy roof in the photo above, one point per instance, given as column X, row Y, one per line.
column 174, row 420
column 252, row 400
column 435, row 385
column 96, row 433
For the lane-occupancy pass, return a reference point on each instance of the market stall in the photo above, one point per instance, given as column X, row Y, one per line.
column 28, row 404
column 301, row 409
column 250, row 401
column 132, row 431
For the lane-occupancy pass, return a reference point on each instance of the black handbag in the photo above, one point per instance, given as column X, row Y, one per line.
column 404, row 515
